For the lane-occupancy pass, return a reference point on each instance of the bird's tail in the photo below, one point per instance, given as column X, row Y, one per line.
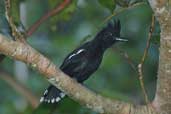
column 52, row 95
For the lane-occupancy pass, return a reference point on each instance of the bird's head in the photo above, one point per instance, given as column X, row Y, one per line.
column 110, row 34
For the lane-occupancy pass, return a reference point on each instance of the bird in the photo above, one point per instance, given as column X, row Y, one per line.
column 82, row 62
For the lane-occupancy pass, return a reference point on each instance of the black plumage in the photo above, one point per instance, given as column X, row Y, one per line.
column 85, row 60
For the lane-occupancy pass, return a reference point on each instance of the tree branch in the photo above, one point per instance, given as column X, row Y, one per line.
column 126, row 57
column 140, row 65
column 76, row 91
column 51, row 13
column 15, row 33
column 162, row 101
column 122, row 10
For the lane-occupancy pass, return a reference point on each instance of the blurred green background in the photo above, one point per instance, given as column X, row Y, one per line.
column 75, row 25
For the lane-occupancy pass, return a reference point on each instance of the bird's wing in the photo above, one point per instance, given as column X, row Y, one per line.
column 73, row 60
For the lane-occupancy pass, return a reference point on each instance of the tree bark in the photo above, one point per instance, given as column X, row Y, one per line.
column 162, row 11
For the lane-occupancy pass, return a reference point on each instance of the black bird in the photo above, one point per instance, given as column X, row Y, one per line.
column 85, row 60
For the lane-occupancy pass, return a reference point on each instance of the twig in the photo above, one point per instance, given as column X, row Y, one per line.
column 20, row 88
column 121, row 10
column 19, row 36
column 127, row 58
column 51, row 13
column 140, row 65
column 22, row 36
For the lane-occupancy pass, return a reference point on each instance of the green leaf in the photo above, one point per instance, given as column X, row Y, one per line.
column 122, row 3
column 110, row 4
column 2, row 8
column 15, row 11
column 64, row 15
column 4, row 26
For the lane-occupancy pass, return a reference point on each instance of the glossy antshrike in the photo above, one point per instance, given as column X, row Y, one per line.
column 81, row 63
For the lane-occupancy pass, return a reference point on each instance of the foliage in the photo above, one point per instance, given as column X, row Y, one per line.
column 80, row 22
column 110, row 4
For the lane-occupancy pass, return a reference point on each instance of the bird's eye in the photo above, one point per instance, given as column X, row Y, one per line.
column 108, row 35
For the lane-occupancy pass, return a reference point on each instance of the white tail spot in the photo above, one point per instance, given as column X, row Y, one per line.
column 62, row 95
column 41, row 99
column 58, row 99
column 53, row 100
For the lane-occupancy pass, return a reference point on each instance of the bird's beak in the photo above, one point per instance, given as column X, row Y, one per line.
column 121, row 39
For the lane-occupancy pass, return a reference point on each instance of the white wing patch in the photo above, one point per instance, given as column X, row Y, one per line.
column 71, row 56
column 78, row 52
